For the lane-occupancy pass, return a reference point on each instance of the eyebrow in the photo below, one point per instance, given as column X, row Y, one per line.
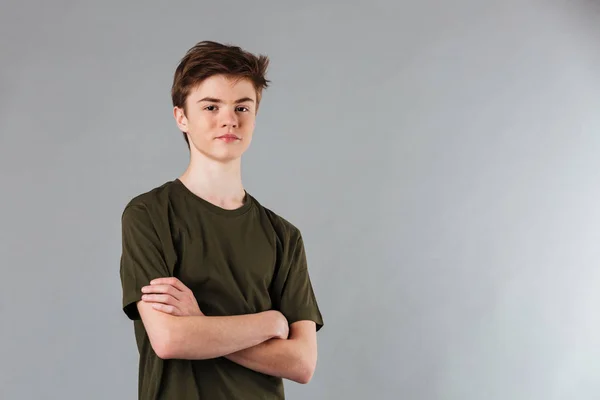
column 215, row 100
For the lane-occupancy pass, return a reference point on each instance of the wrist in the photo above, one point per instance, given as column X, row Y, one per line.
column 274, row 323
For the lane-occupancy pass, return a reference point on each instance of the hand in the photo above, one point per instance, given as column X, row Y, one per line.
column 171, row 296
column 282, row 328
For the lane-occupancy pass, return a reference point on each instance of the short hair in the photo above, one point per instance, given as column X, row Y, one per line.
column 208, row 58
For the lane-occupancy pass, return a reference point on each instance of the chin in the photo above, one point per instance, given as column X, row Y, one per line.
column 229, row 157
column 223, row 156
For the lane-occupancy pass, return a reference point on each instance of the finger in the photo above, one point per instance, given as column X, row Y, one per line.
column 176, row 283
column 166, row 308
column 159, row 298
column 168, row 289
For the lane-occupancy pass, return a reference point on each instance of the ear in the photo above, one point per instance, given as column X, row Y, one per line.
column 180, row 119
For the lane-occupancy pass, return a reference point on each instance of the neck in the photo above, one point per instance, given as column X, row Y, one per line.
column 217, row 182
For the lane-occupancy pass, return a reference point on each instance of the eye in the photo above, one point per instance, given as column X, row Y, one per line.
column 210, row 108
column 242, row 109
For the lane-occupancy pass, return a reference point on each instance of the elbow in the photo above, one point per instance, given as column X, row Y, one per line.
column 165, row 332
column 305, row 372
column 164, row 344
column 164, row 350
column 304, row 378
column 172, row 343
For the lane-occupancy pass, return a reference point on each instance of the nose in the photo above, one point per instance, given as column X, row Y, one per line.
column 229, row 119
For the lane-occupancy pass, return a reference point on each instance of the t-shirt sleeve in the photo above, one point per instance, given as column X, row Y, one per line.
column 142, row 258
column 298, row 301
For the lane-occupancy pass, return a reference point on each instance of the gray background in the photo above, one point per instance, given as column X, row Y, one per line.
column 441, row 159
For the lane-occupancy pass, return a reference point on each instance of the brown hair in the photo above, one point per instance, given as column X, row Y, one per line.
column 208, row 58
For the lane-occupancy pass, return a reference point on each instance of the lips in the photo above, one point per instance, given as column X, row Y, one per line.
column 228, row 136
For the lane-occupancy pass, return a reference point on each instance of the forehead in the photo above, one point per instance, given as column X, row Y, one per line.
column 224, row 87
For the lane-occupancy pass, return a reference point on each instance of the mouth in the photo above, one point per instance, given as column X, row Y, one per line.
column 229, row 136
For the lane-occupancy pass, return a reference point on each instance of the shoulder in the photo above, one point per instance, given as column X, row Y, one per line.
column 285, row 229
column 144, row 205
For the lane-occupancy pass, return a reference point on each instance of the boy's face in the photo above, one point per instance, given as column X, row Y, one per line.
column 220, row 117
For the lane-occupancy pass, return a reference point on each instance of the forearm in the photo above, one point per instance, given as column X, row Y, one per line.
column 202, row 337
column 288, row 359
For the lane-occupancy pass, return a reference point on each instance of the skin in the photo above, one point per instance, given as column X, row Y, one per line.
column 176, row 326
column 214, row 171
column 293, row 357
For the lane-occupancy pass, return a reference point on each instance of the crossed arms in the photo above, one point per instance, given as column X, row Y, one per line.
column 262, row 342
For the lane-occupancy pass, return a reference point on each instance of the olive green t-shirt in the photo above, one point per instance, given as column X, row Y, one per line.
column 241, row 261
